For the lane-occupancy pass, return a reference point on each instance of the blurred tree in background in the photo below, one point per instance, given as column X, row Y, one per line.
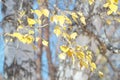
column 60, row 39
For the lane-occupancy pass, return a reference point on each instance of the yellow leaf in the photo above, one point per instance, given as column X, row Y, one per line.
column 70, row 52
column 64, row 34
column 52, row 18
column 27, row 39
column 113, row 7
column 85, row 47
column 78, row 47
column 45, row 43
column 68, row 20
column 80, row 54
column 113, row 1
column 82, row 19
column 91, row 2
column 38, row 13
column 31, row 32
column 64, row 48
column 83, row 64
column 19, row 27
column 109, row 12
column 62, row 56
column 58, row 19
column 93, row 66
column 61, row 20
column 108, row 22
column 116, row 1
column 32, row 11
column 31, row 21
column 57, row 31
column 80, row 13
column 89, row 58
column 16, row 34
column 73, row 35
column 106, row 5
column 45, row 12
column 11, row 40
column 23, row 38
column 66, row 37
column 19, row 21
column 88, row 52
column 74, row 15
column 75, row 19
column 100, row 74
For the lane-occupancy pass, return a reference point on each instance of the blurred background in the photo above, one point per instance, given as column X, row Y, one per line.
column 19, row 61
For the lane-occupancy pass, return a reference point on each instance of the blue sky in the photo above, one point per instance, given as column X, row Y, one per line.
column 1, row 43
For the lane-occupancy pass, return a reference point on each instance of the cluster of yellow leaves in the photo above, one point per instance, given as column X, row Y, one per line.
column 60, row 19
column 112, row 5
column 28, row 38
column 75, row 17
column 60, row 29
column 84, row 56
column 23, row 38
column 39, row 13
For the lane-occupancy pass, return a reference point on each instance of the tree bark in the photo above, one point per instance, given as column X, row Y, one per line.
column 44, row 5
column 50, row 64
column 38, row 60
column 0, row 77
